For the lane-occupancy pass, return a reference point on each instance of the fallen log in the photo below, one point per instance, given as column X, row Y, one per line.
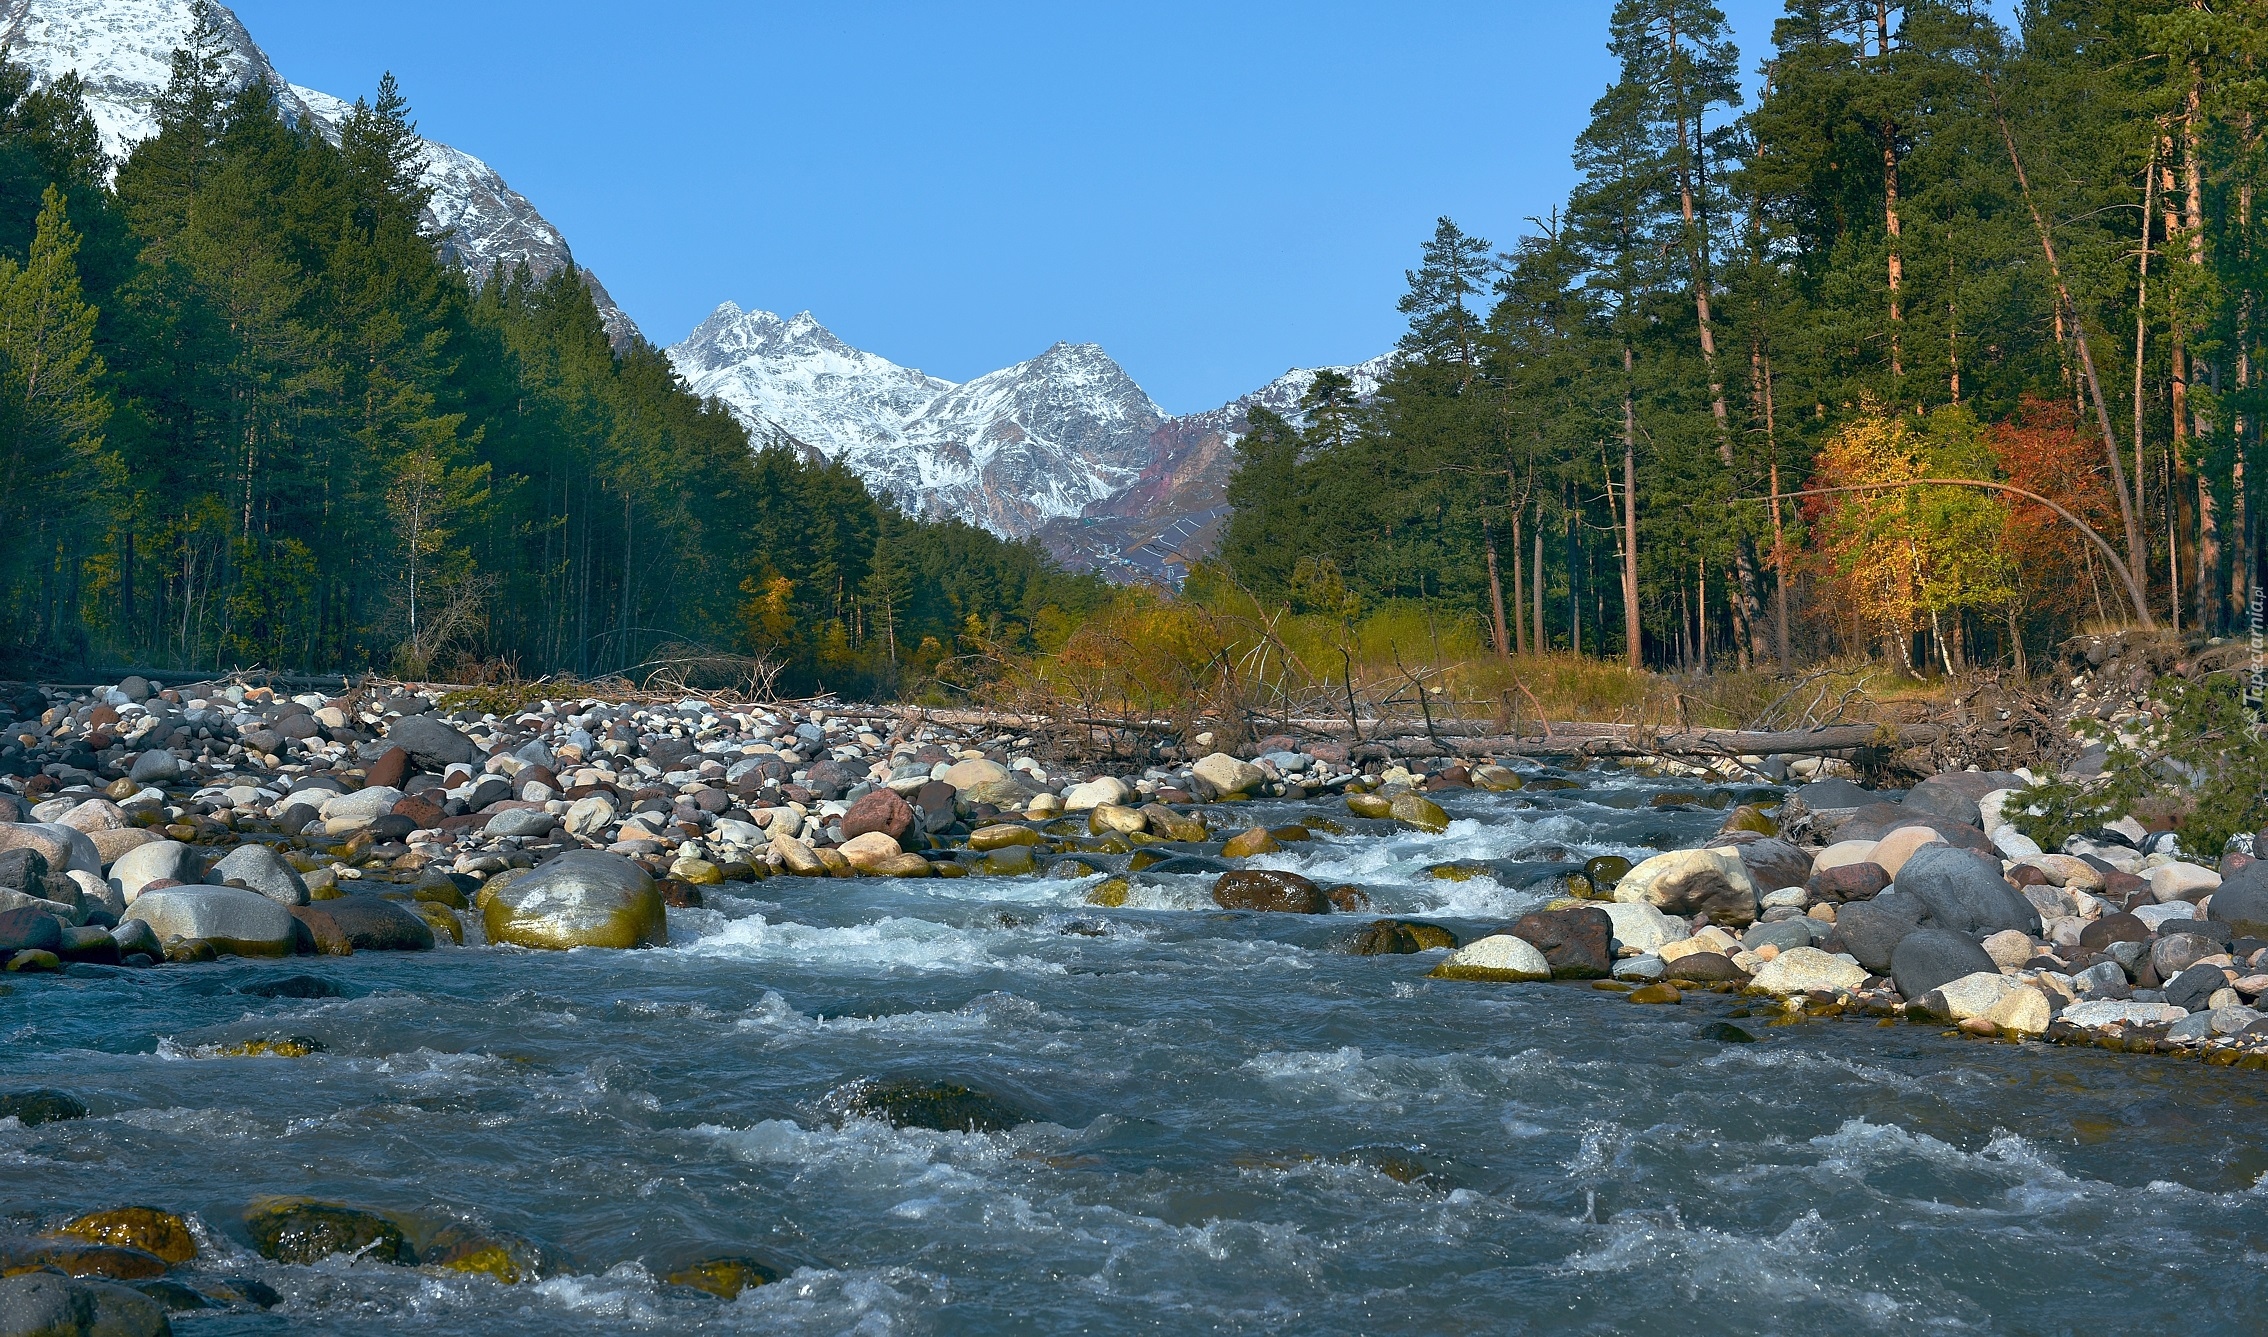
column 1618, row 740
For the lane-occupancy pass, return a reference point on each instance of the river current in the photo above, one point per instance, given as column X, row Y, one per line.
column 1241, row 1127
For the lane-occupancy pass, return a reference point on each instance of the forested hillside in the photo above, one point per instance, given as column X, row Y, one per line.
column 1932, row 248
column 252, row 417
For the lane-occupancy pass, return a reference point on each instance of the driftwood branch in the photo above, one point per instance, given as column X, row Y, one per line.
column 1615, row 740
column 1479, row 738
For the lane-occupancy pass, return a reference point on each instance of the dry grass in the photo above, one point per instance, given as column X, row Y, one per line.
column 1151, row 665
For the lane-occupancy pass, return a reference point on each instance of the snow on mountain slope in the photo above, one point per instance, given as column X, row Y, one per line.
column 794, row 376
column 1150, row 529
column 1008, row 450
column 479, row 219
column 123, row 49
column 1065, row 446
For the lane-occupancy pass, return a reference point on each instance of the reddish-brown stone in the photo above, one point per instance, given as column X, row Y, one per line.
column 1851, row 882
column 1267, row 889
column 323, row 936
column 881, row 811
column 424, row 812
column 390, row 769
column 1578, row 942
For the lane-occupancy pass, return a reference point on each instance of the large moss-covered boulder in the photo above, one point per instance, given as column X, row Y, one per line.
column 583, row 898
column 150, row 1229
column 1499, row 959
column 1414, row 809
column 301, row 1230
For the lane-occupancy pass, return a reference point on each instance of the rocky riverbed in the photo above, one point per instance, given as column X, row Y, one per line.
column 369, row 1014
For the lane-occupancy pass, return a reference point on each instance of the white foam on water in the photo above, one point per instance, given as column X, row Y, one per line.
column 206, row 1124
column 1809, row 1063
column 867, row 1151
column 1390, row 1081
column 1392, row 868
column 1748, row 1267
column 624, row 1292
column 1860, row 1145
column 868, row 1303
column 889, row 943
column 1166, row 891
column 773, row 1014
column 956, row 1181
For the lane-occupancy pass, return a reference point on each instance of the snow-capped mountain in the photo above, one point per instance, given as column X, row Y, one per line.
column 795, row 377
column 1065, row 447
column 1009, row 450
column 123, row 49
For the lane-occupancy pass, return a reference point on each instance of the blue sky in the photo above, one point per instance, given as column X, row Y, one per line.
column 1213, row 192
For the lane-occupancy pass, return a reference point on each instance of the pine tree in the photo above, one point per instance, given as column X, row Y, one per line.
column 55, row 408
column 1443, row 300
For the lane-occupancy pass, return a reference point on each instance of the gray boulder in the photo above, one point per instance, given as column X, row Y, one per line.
column 230, row 918
column 1965, row 892
column 1772, row 863
column 135, row 936
column 1930, row 957
column 2241, row 902
column 259, row 868
column 363, row 805
column 1784, row 934
column 40, row 1304
column 2194, row 988
column 373, row 924
column 432, row 744
column 1872, row 929
column 520, row 822
column 1939, row 795
column 158, row 860
column 1832, row 793
column 155, row 766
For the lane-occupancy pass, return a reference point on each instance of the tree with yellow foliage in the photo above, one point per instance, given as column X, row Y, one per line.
column 1902, row 560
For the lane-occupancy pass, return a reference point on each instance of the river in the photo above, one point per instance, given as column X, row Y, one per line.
column 1239, row 1127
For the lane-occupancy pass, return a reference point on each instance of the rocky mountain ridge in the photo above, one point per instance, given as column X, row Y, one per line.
column 123, row 50
column 1065, row 447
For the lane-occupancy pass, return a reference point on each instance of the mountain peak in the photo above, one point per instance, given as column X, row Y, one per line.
column 123, row 49
column 1043, row 443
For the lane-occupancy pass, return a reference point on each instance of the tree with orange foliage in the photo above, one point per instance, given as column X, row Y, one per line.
column 2058, row 582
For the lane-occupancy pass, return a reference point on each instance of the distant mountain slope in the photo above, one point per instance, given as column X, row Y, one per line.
column 123, row 49
column 1008, row 451
column 1065, row 446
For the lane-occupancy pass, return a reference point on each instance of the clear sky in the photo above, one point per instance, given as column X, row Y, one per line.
column 1213, row 192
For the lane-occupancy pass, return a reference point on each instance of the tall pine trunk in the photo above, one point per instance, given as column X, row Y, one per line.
column 2208, row 511
column 1543, row 643
column 1897, row 261
column 1496, row 596
column 1629, row 507
column 2094, row 384
column 1744, row 607
column 2141, row 558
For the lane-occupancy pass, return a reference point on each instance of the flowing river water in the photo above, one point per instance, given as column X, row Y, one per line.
column 1239, row 1126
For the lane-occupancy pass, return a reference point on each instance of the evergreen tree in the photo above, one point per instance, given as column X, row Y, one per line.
column 1444, row 299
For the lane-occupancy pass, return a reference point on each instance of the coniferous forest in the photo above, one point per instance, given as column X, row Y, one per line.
column 1933, row 246
column 254, row 417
